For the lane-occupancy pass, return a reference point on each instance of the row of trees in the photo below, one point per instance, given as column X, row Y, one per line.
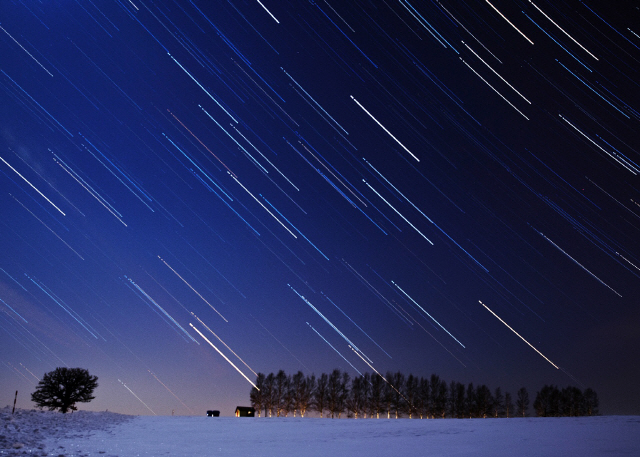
column 397, row 395
column 570, row 401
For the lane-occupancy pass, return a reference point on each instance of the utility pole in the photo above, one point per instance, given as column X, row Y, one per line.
column 14, row 403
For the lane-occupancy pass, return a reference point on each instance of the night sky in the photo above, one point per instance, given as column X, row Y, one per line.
column 195, row 191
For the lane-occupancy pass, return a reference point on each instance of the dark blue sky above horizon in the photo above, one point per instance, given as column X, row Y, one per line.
column 287, row 179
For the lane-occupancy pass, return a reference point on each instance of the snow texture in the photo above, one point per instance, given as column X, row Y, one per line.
column 107, row 435
column 36, row 432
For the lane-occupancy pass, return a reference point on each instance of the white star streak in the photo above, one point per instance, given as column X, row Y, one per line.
column 378, row 373
column 424, row 311
column 265, row 208
column 329, row 322
column 225, row 344
column 225, row 357
column 265, row 8
column 23, row 48
column 384, row 128
column 171, row 392
column 89, row 189
column 622, row 161
column 190, row 287
column 34, row 187
column 132, row 393
column 496, row 73
column 313, row 99
column 543, row 356
column 425, row 216
column 563, row 31
column 47, row 227
column 510, row 23
column 494, row 89
column 331, row 346
column 155, row 303
column 205, row 90
column 578, row 263
column 397, row 212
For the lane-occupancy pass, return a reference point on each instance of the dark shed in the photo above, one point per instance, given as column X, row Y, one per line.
column 245, row 411
column 213, row 413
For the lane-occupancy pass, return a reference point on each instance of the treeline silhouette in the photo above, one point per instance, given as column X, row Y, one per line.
column 396, row 395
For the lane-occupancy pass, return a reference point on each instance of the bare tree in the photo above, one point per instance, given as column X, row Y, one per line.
column 387, row 394
column 456, row 400
column 306, row 394
column 268, row 395
column 547, row 402
column 497, row 406
column 460, row 401
column 280, row 388
column 357, row 397
column 376, row 395
column 590, row 402
column 288, row 401
column 296, row 387
column 424, row 399
column 366, row 392
column 320, row 394
column 410, row 395
column 397, row 382
column 432, row 397
column 508, row 405
column 471, row 408
column 571, row 402
column 522, row 402
column 333, row 392
column 440, row 403
column 343, row 393
column 256, row 395
column 438, row 396
column 483, row 401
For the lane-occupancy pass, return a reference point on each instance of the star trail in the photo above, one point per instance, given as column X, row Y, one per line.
column 173, row 170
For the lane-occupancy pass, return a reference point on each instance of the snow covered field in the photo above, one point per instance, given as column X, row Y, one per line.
column 108, row 435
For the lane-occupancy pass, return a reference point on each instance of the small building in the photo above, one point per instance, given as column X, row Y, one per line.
column 213, row 413
column 245, row 411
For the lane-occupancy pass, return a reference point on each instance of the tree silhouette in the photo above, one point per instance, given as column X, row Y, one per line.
column 320, row 397
column 357, row 397
column 508, row 405
column 376, row 395
column 422, row 398
column 267, row 395
column 497, row 408
column 256, row 396
column 63, row 387
column 280, row 387
column 456, row 400
column 590, row 398
column 522, row 402
column 410, row 394
column 470, row 402
column 484, row 401
column 397, row 399
column 371, row 395
column 302, row 390
column 571, row 402
column 547, row 402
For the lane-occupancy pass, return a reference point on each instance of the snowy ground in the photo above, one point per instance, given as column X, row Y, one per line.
column 108, row 434
column 35, row 432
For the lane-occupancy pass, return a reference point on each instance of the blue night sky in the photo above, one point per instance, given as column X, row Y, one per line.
column 309, row 185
